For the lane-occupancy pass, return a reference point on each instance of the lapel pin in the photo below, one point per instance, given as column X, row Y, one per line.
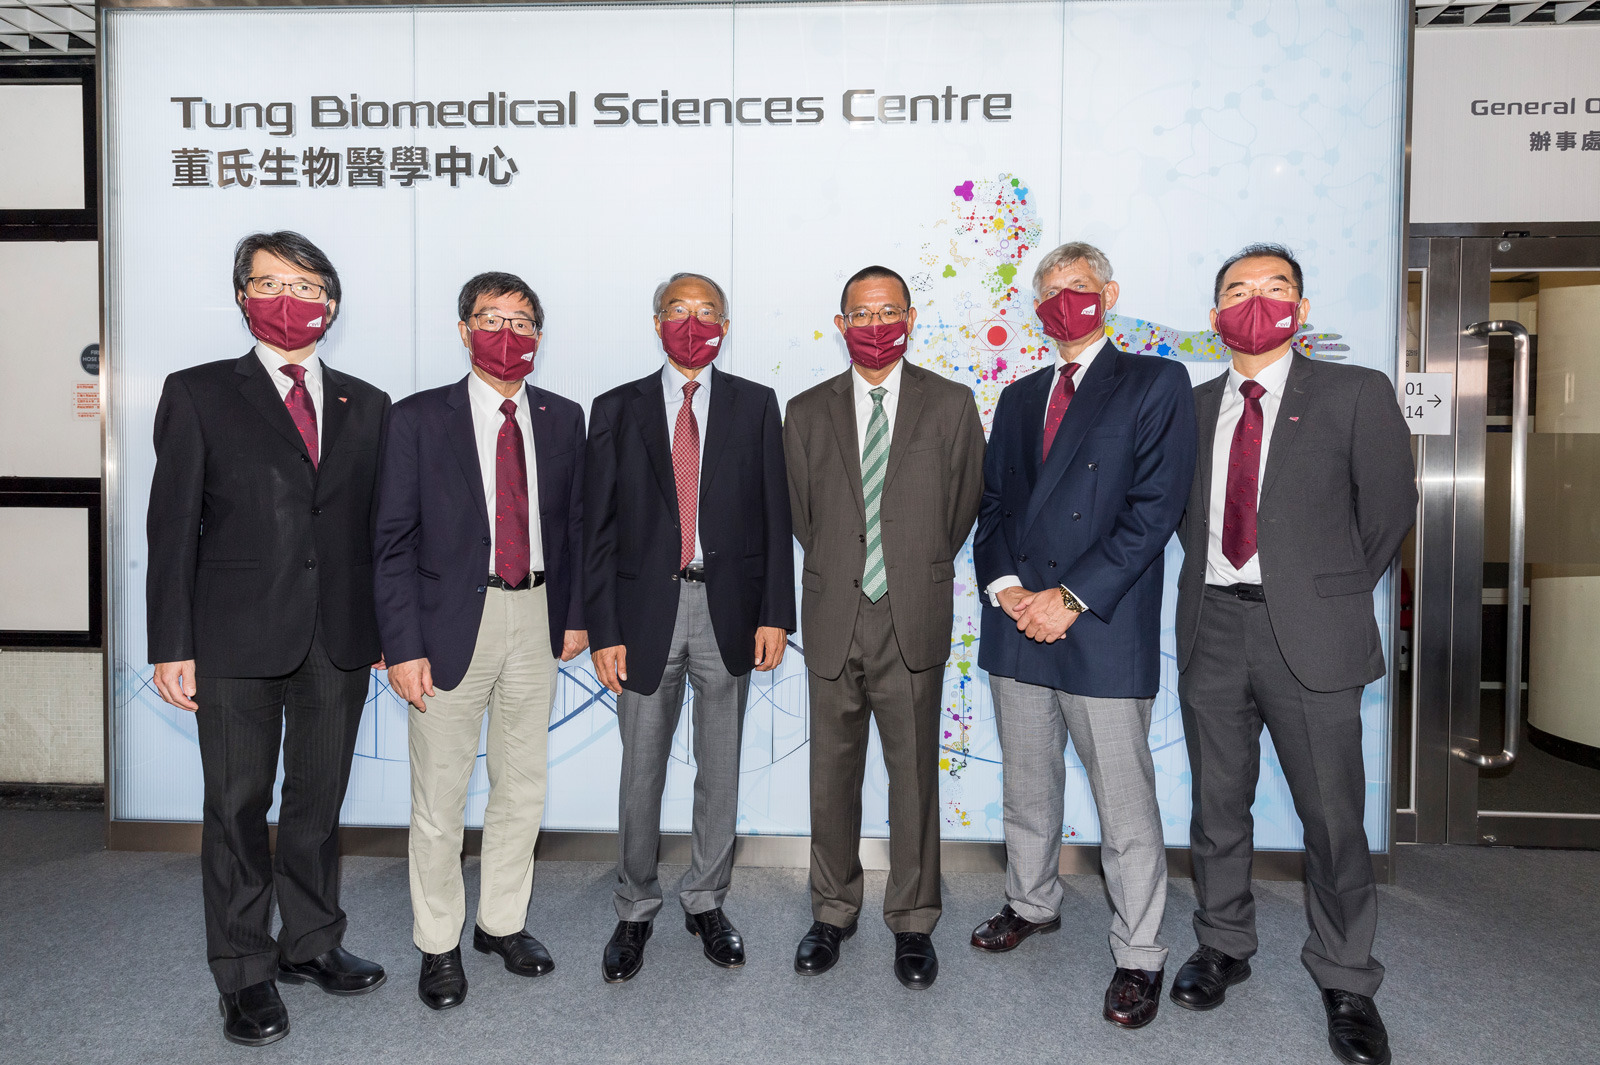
column 1294, row 417
column 344, row 399
column 541, row 408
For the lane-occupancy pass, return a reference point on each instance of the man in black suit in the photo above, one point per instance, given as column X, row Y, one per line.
column 1304, row 491
column 261, row 622
column 479, row 594
column 689, row 564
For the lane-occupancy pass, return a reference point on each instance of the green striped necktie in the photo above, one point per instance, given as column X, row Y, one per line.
column 874, row 463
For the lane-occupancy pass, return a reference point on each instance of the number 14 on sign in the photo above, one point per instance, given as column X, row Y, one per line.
column 1427, row 399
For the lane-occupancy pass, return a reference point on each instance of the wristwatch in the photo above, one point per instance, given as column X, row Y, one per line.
column 1071, row 602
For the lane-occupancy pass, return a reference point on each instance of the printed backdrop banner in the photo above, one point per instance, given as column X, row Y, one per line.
column 595, row 150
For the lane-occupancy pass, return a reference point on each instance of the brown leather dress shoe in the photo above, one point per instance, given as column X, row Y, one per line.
column 1006, row 929
column 1133, row 998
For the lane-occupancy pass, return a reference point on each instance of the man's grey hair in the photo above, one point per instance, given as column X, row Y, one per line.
column 661, row 289
column 1092, row 256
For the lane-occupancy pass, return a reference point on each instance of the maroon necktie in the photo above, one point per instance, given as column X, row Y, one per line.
column 686, row 465
column 300, row 409
column 512, row 555
column 1060, row 400
column 1244, row 469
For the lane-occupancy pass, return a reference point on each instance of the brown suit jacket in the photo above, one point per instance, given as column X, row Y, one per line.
column 930, row 500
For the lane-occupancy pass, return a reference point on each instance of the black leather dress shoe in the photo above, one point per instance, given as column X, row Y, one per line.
column 1203, row 981
column 915, row 963
column 1355, row 1031
column 1132, row 998
column 718, row 938
column 336, row 971
column 1006, row 929
column 523, row 954
column 442, row 982
column 254, row 1016
column 819, row 948
column 624, row 954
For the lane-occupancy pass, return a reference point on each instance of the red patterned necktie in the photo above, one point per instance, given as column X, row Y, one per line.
column 512, row 553
column 686, row 465
column 1060, row 400
column 1244, row 469
column 300, row 409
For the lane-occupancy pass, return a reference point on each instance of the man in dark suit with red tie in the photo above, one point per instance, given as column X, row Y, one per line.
column 1304, row 491
column 480, row 593
column 261, row 622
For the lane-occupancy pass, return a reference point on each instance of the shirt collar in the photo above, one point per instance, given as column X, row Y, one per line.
column 1275, row 378
column 673, row 380
column 486, row 401
column 272, row 360
column 1084, row 359
column 890, row 384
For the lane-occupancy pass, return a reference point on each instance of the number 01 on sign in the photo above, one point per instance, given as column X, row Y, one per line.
column 1427, row 399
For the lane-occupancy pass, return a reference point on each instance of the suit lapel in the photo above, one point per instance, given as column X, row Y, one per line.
column 719, row 419
column 1101, row 380
column 842, row 407
column 1032, row 399
column 1296, row 396
column 544, row 444
column 335, row 410
column 262, row 394
column 1208, row 407
column 651, row 409
column 907, row 411
column 464, row 443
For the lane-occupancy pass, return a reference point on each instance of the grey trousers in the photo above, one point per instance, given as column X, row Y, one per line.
column 1112, row 737
column 1237, row 681
column 876, row 683
column 647, row 723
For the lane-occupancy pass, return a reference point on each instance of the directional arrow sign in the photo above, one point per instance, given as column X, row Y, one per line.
column 1426, row 401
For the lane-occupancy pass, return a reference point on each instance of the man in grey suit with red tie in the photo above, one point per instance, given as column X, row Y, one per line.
column 1304, row 492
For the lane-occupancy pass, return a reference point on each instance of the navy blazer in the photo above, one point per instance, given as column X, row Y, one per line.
column 1096, row 517
column 432, row 548
column 632, row 541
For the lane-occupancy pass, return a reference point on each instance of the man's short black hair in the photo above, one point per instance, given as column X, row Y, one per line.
column 291, row 247
column 1260, row 251
column 872, row 273
column 498, row 283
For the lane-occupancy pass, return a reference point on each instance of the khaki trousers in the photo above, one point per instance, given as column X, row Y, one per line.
column 513, row 677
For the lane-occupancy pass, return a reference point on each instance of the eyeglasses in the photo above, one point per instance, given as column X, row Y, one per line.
column 489, row 322
column 271, row 286
column 887, row 316
column 679, row 312
column 1274, row 290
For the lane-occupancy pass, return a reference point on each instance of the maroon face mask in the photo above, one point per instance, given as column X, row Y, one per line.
column 1070, row 315
column 505, row 354
column 285, row 322
column 691, row 343
column 876, row 346
column 1258, row 324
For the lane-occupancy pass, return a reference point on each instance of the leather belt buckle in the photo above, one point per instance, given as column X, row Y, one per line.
column 532, row 580
column 1249, row 593
column 695, row 573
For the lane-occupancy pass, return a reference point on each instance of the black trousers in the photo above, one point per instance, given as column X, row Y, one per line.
column 1237, row 681
column 313, row 713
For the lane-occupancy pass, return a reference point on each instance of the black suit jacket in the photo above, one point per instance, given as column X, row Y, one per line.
column 432, row 549
column 631, row 532
column 1337, row 497
column 251, row 548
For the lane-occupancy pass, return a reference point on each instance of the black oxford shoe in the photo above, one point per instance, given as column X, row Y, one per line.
column 254, row 1016
column 1006, row 929
column 442, row 982
column 1355, row 1031
column 624, row 954
column 718, row 938
column 915, row 963
column 336, row 971
column 1132, row 998
column 523, row 954
column 1203, row 981
column 819, row 948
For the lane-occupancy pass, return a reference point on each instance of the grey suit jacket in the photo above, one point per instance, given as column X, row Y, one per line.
column 930, row 500
column 1337, row 498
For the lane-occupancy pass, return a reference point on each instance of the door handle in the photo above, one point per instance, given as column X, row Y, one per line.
column 1519, row 539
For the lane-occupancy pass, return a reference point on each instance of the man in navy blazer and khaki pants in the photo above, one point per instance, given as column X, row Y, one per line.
column 479, row 593
column 1087, row 472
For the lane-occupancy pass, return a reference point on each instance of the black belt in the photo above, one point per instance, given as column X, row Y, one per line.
column 1250, row 593
column 532, row 580
column 695, row 571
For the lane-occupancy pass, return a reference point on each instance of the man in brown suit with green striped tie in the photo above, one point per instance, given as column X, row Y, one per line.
column 885, row 474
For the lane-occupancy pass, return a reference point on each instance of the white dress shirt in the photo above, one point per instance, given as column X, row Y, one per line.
column 486, row 423
column 863, row 394
column 1084, row 360
column 1275, row 378
column 272, row 360
column 672, row 382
